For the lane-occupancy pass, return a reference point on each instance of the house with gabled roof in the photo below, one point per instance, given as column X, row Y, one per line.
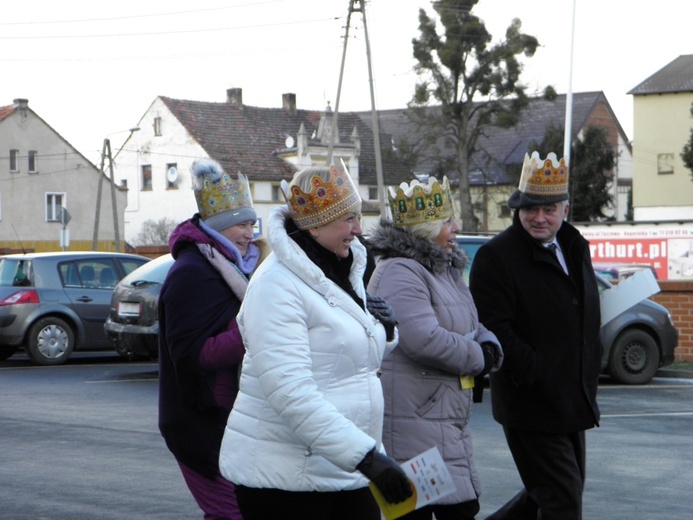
column 495, row 167
column 662, row 125
column 49, row 191
column 266, row 144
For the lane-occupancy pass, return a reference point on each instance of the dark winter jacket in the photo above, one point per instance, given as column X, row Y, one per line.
column 200, row 350
column 548, row 323
column 426, row 404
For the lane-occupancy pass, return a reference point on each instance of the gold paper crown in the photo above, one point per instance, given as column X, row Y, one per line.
column 326, row 200
column 416, row 203
column 547, row 178
column 221, row 200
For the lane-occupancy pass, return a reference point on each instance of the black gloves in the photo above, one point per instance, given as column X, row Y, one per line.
column 387, row 475
column 382, row 311
column 490, row 357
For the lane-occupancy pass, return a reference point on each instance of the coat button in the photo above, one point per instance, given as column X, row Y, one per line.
column 332, row 301
column 308, row 452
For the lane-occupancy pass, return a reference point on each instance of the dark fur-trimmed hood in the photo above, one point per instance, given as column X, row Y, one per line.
column 389, row 241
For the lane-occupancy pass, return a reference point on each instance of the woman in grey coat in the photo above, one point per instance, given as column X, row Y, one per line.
column 428, row 379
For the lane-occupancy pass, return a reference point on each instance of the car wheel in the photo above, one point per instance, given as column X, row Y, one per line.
column 51, row 341
column 7, row 352
column 634, row 358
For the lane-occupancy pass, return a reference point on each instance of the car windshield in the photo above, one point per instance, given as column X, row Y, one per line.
column 150, row 273
column 15, row 273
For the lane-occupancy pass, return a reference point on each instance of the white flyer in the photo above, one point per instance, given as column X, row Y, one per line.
column 430, row 481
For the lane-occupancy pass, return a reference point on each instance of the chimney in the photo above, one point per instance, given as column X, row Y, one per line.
column 21, row 103
column 289, row 103
column 234, row 97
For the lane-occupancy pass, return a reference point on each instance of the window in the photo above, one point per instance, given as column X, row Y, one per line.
column 89, row 273
column 373, row 193
column 16, row 273
column 172, row 176
column 503, row 211
column 54, row 205
column 277, row 193
column 147, row 177
column 665, row 163
column 157, row 126
column 14, row 160
column 32, row 162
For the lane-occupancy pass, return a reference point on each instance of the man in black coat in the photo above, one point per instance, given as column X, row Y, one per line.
column 534, row 287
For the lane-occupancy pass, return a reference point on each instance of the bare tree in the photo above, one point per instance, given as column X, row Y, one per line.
column 155, row 232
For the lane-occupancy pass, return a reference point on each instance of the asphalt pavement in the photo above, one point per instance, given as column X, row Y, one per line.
column 81, row 442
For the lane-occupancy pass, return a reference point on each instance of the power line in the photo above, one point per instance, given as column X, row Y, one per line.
column 161, row 33
column 140, row 16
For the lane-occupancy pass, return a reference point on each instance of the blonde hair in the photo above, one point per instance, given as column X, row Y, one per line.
column 428, row 230
column 303, row 178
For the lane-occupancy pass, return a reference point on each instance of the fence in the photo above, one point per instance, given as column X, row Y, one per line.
column 677, row 297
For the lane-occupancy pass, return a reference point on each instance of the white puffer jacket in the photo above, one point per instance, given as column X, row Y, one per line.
column 310, row 404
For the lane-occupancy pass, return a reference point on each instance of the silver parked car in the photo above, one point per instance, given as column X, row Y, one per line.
column 133, row 323
column 54, row 303
column 636, row 343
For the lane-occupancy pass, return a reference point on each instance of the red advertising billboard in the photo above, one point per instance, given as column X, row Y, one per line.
column 668, row 248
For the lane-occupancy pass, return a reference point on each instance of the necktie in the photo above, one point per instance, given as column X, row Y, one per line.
column 554, row 249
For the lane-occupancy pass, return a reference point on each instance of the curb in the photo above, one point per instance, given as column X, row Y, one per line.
column 674, row 374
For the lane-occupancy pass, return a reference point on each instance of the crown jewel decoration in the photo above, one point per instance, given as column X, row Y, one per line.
column 326, row 201
column 547, row 177
column 416, row 203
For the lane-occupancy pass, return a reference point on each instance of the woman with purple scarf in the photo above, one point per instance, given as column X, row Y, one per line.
column 200, row 347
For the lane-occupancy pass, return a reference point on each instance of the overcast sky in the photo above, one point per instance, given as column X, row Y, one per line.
column 91, row 69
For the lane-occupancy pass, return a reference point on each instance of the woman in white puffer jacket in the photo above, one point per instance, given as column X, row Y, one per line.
column 309, row 412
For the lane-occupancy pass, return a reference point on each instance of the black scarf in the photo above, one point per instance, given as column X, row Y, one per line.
column 335, row 268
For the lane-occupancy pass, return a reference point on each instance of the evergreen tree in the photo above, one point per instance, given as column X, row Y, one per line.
column 591, row 165
column 687, row 153
column 476, row 85
column 592, row 160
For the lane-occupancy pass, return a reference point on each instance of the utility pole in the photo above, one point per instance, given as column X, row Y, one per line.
column 114, row 205
column 358, row 6
column 95, row 240
column 106, row 154
column 567, row 137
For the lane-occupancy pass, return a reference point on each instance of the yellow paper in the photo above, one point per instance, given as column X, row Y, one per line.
column 467, row 382
column 391, row 511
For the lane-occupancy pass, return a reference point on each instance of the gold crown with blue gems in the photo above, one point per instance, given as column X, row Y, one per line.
column 222, row 201
column 416, row 203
